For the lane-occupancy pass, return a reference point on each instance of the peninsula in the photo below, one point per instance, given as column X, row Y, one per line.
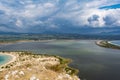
column 107, row 44
column 28, row 66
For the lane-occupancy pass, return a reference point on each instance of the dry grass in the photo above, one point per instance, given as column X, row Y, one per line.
column 29, row 66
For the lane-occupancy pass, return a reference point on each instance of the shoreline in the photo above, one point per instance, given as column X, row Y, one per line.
column 29, row 64
column 13, row 58
column 17, row 41
column 113, row 43
column 107, row 44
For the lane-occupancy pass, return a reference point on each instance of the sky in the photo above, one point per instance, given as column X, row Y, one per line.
column 54, row 15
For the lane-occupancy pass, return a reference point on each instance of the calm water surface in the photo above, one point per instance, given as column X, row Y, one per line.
column 94, row 62
column 116, row 42
column 4, row 59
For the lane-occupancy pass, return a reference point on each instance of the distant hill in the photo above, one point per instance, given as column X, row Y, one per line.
column 77, row 30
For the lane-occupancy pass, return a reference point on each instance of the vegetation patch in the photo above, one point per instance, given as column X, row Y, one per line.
column 63, row 66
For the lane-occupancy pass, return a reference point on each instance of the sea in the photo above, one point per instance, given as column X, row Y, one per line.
column 92, row 61
column 116, row 42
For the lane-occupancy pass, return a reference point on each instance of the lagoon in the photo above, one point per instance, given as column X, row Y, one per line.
column 4, row 59
column 93, row 62
column 116, row 42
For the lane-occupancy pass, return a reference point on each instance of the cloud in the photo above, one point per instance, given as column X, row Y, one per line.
column 112, row 17
column 25, row 15
column 94, row 20
column 19, row 23
column 81, row 14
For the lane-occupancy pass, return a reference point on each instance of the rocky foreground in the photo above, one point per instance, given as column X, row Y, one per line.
column 27, row 66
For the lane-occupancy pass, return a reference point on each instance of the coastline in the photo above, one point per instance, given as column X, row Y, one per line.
column 17, row 41
column 13, row 58
column 113, row 43
column 107, row 44
column 25, row 62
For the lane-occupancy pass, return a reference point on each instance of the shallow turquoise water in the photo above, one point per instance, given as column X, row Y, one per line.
column 116, row 42
column 94, row 62
column 4, row 59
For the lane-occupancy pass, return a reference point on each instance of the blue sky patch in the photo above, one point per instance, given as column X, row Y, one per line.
column 115, row 6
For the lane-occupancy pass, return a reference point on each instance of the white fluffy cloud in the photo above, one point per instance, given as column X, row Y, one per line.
column 25, row 14
column 80, row 13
